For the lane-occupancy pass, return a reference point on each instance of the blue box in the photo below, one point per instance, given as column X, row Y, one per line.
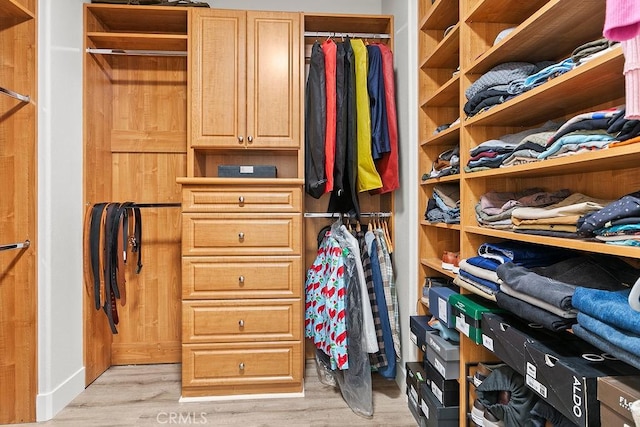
column 439, row 305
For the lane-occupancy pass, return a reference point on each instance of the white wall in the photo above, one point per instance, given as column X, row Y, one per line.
column 60, row 365
column 405, row 254
column 60, row 210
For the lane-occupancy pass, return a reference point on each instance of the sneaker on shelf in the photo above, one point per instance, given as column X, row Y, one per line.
column 450, row 260
column 635, row 412
column 491, row 420
column 477, row 413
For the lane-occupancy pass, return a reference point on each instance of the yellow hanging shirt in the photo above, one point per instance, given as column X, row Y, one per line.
column 368, row 177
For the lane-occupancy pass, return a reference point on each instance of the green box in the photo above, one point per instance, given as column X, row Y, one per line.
column 468, row 310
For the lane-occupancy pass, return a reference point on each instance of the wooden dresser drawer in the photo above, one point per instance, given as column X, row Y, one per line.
column 241, row 320
column 241, row 199
column 241, row 234
column 247, row 368
column 241, row 277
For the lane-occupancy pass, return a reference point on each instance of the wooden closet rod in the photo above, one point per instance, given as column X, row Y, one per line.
column 16, row 95
column 352, row 35
column 132, row 52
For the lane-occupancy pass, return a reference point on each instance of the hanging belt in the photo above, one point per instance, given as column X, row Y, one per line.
column 107, row 228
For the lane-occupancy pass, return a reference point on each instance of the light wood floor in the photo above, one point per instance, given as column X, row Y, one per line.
column 148, row 395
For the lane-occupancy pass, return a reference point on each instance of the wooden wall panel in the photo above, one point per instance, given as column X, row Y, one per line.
column 97, row 177
column 149, row 108
column 150, row 321
column 18, row 198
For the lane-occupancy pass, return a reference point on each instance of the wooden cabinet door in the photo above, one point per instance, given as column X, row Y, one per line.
column 273, row 79
column 218, row 79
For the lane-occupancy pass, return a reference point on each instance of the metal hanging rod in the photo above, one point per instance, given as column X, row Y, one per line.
column 133, row 52
column 352, row 35
column 16, row 95
column 19, row 245
column 157, row 205
column 338, row 215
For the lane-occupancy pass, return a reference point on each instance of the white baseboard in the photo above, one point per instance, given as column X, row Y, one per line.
column 50, row 403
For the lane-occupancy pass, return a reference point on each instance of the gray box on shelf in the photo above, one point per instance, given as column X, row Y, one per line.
column 246, row 171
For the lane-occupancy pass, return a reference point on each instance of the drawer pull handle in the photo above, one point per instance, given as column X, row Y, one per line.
column 241, row 366
column 240, row 138
column 241, row 280
column 241, row 199
column 250, row 138
column 241, row 323
column 241, row 236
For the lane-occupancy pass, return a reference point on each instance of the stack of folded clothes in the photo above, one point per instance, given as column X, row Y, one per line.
column 607, row 321
column 444, row 206
column 557, row 220
column 447, row 163
column 495, row 152
column 617, row 223
column 495, row 208
column 543, row 294
column 479, row 274
column 492, row 88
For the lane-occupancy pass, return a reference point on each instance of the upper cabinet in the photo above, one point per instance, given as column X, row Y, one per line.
column 245, row 79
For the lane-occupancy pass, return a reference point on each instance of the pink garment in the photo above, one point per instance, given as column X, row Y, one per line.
column 622, row 19
column 329, row 49
column 631, row 49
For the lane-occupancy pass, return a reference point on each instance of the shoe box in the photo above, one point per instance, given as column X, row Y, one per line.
column 443, row 355
column 468, row 311
column 505, row 336
column 565, row 375
column 447, row 391
column 436, row 414
column 439, row 305
column 420, row 328
column 416, row 376
column 616, row 394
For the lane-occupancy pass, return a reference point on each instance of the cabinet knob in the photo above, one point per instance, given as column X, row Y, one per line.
column 240, row 138
column 241, row 323
column 250, row 138
column 241, row 199
column 241, row 280
column 241, row 236
column 241, row 366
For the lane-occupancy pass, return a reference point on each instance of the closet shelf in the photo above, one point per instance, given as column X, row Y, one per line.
column 448, row 95
column 440, row 225
column 503, row 11
column 135, row 41
column 13, row 9
column 436, row 264
column 608, row 159
column 442, row 14
column 449, row 178
column 346, row 23
column 446, row 137
column 240, row 181
column 601, row 78
column 530, row 43
column 445, row 54
column 577, row 244
column 150, row 19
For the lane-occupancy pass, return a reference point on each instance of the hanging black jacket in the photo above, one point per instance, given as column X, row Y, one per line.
column 315, row 124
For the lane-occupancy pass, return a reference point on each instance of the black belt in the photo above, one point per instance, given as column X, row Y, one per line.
column 110, row 221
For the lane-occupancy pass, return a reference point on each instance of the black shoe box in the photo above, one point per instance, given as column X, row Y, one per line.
column 446, row 391
column 565, row 375
column 505, row 335
column 436, row 414
column 419, row 326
